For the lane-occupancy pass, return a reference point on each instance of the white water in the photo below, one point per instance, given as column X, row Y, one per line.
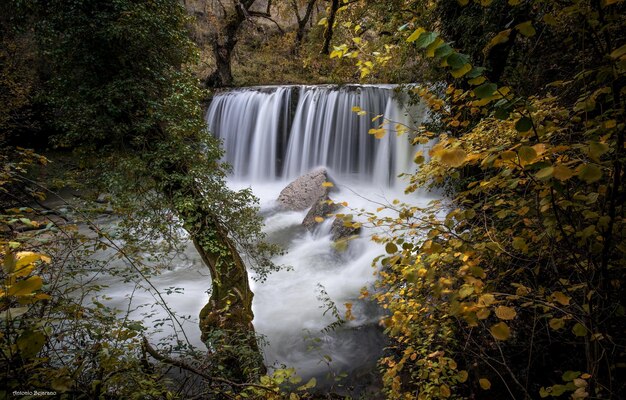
column 267, row 134
column 286, row 307
column 271, row 135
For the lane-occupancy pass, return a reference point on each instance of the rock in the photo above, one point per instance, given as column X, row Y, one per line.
column 321, row 208
column 340, row 231
column 103, row 198
column 305, row 190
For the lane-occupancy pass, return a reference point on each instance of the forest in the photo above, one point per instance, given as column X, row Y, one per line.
column 313, row 199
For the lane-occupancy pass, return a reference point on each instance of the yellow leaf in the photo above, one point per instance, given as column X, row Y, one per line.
column 526, row 154
column 319, row 219
column 457, row 73
column 430, row 50
column 500, row 331
column 549, row 19
column 328, row 184
column 477, row 81
column 415, row 35
column 484, row 383
column 506, row 313
column 617, row 53
column 487, row 299
column 526, row 28
column 453, row 158
column 483, row 313
column 378, row 133
column 501, row 37
column 562, row 172
column 462, row 376
column 28, row 257
column 444, row 391
column 556, row 323
column 579, row 330
column 26, row 287
column 561, row 298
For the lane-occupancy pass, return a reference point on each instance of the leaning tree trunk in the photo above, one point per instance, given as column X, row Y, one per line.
column 226, row 320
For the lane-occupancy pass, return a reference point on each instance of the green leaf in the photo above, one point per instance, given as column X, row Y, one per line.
column 526, row 154
column 524, row 124
column 485, row 90
column 391, row 248
column 589, row 173
column 596, row 150
column 519, row 243
column 426, row 39
column 459, row 72
column 12, row 313
column 502, row 113
column 310, row 384
column 443, row 51
column 545, row 173
column 457, row 60
column 569, row 376
column 579, row 330
column 475, row 72
column 30, row 343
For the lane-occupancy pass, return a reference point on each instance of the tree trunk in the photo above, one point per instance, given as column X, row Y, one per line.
column 302, row 22
column 328, row 33
column 222, row 76
column 226, row 320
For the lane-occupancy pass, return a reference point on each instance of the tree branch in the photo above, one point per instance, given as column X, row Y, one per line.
column 183, row 365
column 267, row 16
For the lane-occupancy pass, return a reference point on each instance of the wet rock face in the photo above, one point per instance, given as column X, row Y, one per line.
column 321, row 208
column 303, row 192
column 340, row 231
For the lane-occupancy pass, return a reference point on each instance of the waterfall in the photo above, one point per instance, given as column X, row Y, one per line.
column 285, row 131
column 272, row 134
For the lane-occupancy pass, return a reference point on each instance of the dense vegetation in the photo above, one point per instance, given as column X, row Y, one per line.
column 510, row 287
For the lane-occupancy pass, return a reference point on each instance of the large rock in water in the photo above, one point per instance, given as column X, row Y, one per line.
column 322, row 207
column 340, row 231
column 305, row 190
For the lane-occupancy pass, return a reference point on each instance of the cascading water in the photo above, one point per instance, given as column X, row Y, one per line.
column 283, row 132
column 274, row 134
column 271, row 135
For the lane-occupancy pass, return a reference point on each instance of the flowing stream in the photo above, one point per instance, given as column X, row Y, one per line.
column 272, row 135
